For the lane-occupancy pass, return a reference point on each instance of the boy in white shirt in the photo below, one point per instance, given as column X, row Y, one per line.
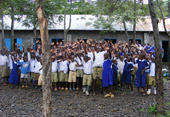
column 4, row 67
column 120, row 65
column 72, row 73
column 79, row 72
column 54, row 76
column 87, row 77
column 63, row 73
column 32, row 67
column 38, row 67
column 151, row 80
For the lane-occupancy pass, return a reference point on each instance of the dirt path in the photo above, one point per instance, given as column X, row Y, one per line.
column 18, row 102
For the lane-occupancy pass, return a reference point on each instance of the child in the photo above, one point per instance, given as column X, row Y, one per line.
column 151, row 80
column 63, row 73
column 38, row 66
column 120, row 65
column 54, row 76
column 72, row 73
column 140, row 80
column 87, row 77
column 107, row 77
column 25, row 68
column 126, row 76
column 13, row 79
column 4, row 67
column 79, row 72
column 32, row 66
column 115, row 73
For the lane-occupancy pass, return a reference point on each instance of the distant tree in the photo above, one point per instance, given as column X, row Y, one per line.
column 70, row 13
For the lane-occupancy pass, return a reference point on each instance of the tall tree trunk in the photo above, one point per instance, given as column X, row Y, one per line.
column 12, row 27
column 169, row 32
column 2, row 27
column 126, row 32
column 46, row 74
column 134, row 21
column 66, row 30
column 158, row 60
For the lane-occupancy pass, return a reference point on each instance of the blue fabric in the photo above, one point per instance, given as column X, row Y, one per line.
column 25, row 67
column 8, row 43
column 115, row 69
column 140, row 80
column 126, row 76
column 107, row 74
column 13, row 78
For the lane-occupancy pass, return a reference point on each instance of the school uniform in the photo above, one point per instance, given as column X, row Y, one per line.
column 87, row 77
column 140, row 80
column 14, row 78
column 79, row 72
column 40, row 78
column 107, row 74
column 54, row 76
column 126, row 76
column 152, row 80
column 72, row 72
column 115, row 74
column 38, row 66
column 63, row 71
column 4, row 66
column 120, row 66
column 32, row 68
column 98, row 64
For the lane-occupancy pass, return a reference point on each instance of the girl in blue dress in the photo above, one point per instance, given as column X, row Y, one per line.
column 126, row 76
column 13, row 79
column 140, row 80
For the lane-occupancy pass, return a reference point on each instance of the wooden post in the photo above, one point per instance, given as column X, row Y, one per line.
column 46, row 86
column 158, row 59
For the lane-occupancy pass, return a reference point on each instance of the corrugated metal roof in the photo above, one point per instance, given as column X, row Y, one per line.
column 79, row 22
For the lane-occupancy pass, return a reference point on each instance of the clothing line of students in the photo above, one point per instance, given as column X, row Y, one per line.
column 79, row 65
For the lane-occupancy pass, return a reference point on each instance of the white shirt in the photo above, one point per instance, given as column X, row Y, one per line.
column 10, row 62
column 152, row 69
column 90, row 54
column 79, row 62
column 54, row 66
column 32, row 65
column 99, row 59
column 38, row 66
column 88, row 67
column 72, row 66
column 63, row 66
column 120, row 65
column 29, row 56
column 3, row 60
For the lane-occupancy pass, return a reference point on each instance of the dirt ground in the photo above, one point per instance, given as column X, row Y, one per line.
column 17, row 102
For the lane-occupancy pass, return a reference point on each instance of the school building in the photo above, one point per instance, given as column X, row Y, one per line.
column 84, row 27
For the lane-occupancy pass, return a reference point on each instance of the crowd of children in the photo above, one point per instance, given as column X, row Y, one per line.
column 83, row 65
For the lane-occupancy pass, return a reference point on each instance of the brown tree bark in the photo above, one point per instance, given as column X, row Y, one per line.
column 126, row 32
column 134, row 21
column 2, row 26
column 46, row 74
column 66, row 30
column 12, row 28
column 158, row 60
